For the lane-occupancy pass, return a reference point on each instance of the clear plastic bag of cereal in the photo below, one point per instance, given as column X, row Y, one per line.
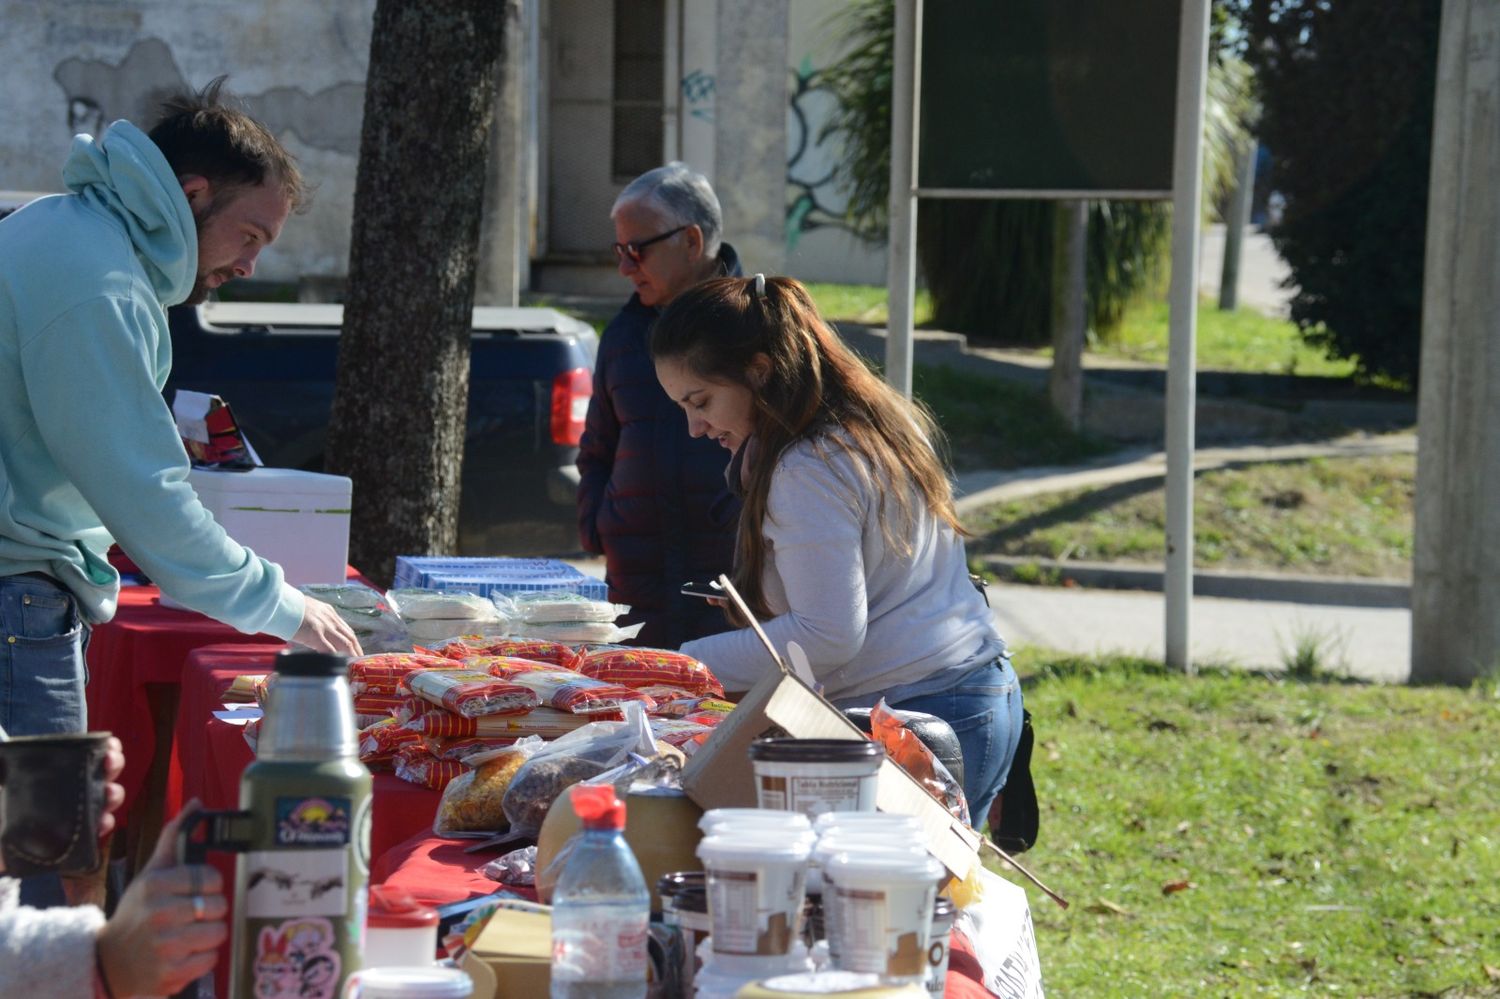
column 472, row 802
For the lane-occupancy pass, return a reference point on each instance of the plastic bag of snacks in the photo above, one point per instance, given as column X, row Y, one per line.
column 382, row 674
column 592, row 632
column 424, row 605
column 549, row 723
column 436, row 630
column 472, row 801
column 380, row 741
column 378, row 628
column 681, row 705
column 471, row 693
column 680, row 732
column 415, row 764
column 563, row 689
column 542, row 607
column 631, row 667
column 461, row 748
column 577, row 756
column 516, row 868
column 906, row 748
column 537, row 650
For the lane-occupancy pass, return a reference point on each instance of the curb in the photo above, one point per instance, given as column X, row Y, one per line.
column 1337, row 591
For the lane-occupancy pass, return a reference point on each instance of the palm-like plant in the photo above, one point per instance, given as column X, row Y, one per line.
column 988, row 264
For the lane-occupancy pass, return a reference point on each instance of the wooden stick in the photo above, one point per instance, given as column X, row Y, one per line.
column 1054, row 896
column 739, row 602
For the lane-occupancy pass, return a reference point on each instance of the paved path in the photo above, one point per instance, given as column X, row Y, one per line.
column 1370, row 643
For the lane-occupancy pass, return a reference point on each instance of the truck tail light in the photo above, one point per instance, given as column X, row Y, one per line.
column 571, row 391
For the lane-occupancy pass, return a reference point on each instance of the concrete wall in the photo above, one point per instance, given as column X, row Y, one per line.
column 76, row 66
column 819, row 246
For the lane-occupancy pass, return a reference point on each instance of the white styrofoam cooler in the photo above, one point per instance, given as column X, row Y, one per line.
column 299, row 520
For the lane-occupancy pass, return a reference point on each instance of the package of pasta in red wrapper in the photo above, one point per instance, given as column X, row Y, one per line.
column 471, row 693
column 371, row 708
column 633, row 667
column 549, row 723
column 379, row 742
column 563, row 689
column 536, row 649
column 415, row 764
column 383, row 673
column 463, row 747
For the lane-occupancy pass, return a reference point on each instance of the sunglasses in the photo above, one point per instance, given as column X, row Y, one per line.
column 635, row 251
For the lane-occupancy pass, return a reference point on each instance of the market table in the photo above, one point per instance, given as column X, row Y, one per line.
column 135, row 666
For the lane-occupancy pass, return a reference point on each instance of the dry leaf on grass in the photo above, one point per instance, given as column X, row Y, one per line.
column 1173, row 887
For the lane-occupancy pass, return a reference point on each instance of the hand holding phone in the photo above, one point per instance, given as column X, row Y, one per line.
column 710, row 590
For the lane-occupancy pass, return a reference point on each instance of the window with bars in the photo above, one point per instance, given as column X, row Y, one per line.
column 640, row 29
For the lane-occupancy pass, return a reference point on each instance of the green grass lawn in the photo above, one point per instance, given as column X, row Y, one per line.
column 862, row 303
column 1340, row 516
column 995, row 424
column 1242, row 340
column 1234, row 834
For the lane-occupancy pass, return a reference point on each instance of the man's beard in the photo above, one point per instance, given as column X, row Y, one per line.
column 201, row 290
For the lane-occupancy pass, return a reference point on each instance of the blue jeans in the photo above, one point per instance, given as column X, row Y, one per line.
column 985, row 712
column 42, row 671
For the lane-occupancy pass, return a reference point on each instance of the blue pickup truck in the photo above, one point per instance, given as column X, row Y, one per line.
column 529, row 385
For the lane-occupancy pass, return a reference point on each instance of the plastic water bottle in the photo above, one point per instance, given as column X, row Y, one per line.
column 600, row 906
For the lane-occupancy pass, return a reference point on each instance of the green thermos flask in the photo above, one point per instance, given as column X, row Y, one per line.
column 303, row 839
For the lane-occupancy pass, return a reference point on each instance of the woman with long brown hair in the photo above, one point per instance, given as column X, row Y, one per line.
column 848, row 542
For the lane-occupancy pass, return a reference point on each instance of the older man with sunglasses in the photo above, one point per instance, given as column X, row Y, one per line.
column 651, row 499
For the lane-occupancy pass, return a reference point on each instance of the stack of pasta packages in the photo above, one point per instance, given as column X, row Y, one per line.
column 469, row 695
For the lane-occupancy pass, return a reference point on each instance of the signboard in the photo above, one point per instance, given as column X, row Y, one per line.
column 1059, row 98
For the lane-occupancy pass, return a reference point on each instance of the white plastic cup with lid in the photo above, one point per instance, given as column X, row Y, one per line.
column 733, row 819
column 756, row 882
column 866, row 820
column 884, row 903
column 399, row 930
column 814, row 776
column 429, row 982
column 832, row 845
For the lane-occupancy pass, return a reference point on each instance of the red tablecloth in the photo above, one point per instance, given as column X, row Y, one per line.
column 435, row 870
column 146, row 643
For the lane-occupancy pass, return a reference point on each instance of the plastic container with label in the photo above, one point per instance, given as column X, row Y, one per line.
column 732, row 820
column 813, row 776
column 850, row 843
column 755, row 891
column 884, row 903
column 943, row 912
column 399, row 930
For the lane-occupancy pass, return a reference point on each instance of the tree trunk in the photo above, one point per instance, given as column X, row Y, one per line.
column 401, row 396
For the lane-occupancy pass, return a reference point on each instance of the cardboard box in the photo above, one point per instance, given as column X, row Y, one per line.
column 512, row 957
column 720, row 775
column 297, row 519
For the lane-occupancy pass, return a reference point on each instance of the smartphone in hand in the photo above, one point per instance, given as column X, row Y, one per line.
column 710, row 590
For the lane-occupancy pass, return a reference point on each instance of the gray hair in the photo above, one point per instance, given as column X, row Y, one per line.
column 682, row 196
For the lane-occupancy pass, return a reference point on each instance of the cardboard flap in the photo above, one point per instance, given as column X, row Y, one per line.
column 720, row 775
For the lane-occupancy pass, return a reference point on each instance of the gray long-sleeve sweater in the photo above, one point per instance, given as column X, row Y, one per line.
column 45, row 952
column 869, row 617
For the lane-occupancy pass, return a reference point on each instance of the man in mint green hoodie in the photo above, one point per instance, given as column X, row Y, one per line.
column 89, row 452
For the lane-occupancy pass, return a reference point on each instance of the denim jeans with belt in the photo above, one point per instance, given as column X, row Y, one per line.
column 42, row 642
column 985, row 712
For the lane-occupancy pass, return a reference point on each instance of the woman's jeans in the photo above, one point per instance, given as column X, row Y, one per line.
column 985, row 712
column 42, row 641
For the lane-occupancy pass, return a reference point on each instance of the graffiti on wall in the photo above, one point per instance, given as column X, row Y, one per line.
column 698, row 92
column 814, row 199
column 98, row 92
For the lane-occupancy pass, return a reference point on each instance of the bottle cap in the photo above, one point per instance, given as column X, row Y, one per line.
column 395, row 908
column 305, row 662
column 597, row 806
